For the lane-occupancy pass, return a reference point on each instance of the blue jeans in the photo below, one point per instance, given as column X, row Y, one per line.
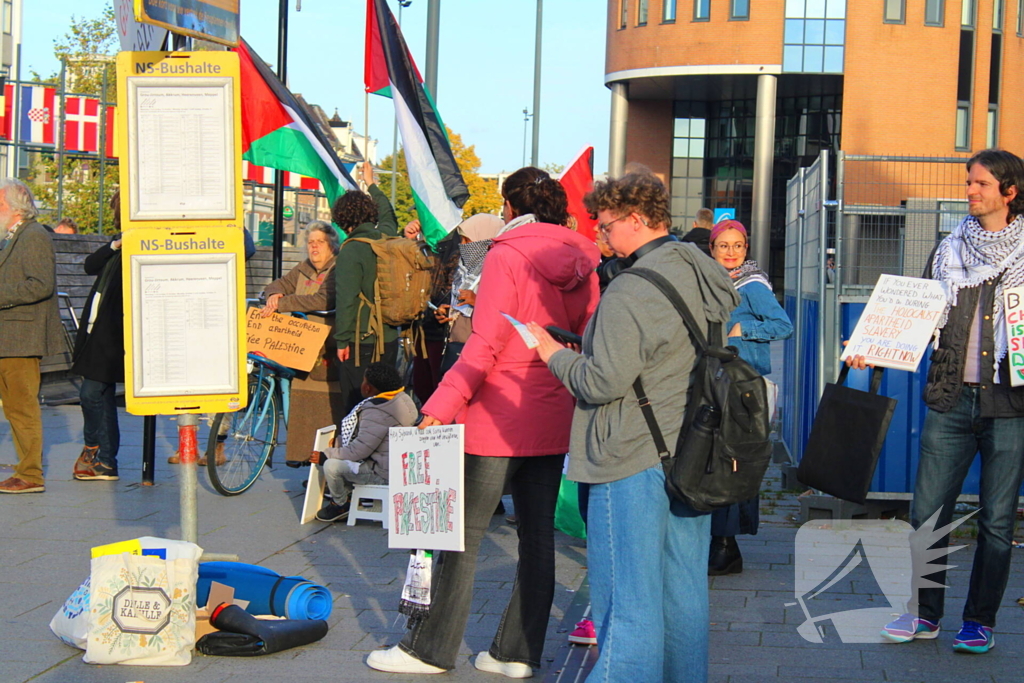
column 99, row 419
column 949, row 443
column 648, row 564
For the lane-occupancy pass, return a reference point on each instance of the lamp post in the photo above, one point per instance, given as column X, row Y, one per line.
column 433, row 29
column 282, row 73
column 526, row 121
column 534, row 158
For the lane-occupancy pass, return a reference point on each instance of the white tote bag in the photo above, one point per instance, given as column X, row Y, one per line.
column 142, row 609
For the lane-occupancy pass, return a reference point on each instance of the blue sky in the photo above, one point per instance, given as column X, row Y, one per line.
column 485, row 70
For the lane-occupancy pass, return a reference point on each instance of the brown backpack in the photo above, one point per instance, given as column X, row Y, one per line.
column 402, row 287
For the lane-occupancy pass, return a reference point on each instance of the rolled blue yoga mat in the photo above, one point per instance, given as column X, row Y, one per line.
column 267, row 591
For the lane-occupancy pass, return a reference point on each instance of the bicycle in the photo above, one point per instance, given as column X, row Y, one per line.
column 249, row 436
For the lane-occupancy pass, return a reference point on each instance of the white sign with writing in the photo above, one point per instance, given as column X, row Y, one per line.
column 1013, row 309
column 898, row 322
column 425, row 469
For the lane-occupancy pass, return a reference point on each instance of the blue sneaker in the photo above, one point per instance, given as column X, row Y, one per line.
column 908, row 627
column 974, row 638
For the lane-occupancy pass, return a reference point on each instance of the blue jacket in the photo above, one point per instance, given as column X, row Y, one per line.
column 761, row 320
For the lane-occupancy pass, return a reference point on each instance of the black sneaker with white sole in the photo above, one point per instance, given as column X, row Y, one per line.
column 333, row 513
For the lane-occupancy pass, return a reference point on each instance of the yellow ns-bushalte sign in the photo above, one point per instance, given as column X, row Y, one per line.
column 213, row 20
column 184, row 320
column 179, row 127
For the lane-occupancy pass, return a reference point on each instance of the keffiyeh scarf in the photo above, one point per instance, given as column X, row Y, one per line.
column 748, row 272
column 347, row 428
column 970, row 256
column 467, row 274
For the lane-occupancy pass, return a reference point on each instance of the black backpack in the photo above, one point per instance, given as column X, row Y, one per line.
column 723, row 448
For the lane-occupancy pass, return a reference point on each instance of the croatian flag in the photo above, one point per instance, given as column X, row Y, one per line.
column 38, row 114
column 82, row 124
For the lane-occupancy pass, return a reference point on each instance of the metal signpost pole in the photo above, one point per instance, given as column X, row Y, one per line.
column 535, row 156
column 282, row 73
column 188, row 425
column 102, row 147
column 61, row 149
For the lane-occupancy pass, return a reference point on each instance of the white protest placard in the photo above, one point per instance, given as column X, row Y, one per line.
column 1013, row 309
column 898, row 322
column 425, row 471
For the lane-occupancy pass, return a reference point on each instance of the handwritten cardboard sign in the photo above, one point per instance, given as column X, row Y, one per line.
column 292, row 342
column 898, row 322
column 425, row 469
column 1013, row 309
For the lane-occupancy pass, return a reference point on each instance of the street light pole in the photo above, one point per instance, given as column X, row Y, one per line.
column 282, row 73
column 526, row 122
column 534, row 158
column 433, row 29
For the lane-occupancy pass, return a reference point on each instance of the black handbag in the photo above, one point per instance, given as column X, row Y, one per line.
column 846, row 439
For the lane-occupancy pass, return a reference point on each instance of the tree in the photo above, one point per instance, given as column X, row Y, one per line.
column 483, row 193
column 88, row 48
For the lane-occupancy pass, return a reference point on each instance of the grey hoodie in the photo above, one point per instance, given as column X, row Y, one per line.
column 370, row 439
column 637, row 332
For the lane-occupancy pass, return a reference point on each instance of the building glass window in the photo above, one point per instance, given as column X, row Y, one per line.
column 739, row 10
column 894, row 11
column 624, row 14
column 701, row 10
column 641, row 13
column 934, row 12
column 1020, row 17
column 8, row 15
column 814, row 36
column 992, row 127
column 967, row 13
column 998, row 12
column 668, row 10
column 963, row 124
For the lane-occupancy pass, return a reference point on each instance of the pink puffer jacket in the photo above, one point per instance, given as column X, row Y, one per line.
column 504, row 394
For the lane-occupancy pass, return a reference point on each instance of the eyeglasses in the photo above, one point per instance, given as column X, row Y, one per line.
column 722, row 246
column 605, row 228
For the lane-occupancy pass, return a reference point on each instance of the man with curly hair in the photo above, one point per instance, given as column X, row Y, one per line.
column 361, row 215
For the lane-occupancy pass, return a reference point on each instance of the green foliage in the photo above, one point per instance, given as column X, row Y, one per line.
column 88, row 47
column 81, row 191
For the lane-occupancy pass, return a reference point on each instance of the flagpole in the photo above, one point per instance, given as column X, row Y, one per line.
column 394, row 131
column 103, row 145
column 61, row 148
column 16, row 113
column 366, row 122
column 282, row 74
column 433, row 29
column 534, row 158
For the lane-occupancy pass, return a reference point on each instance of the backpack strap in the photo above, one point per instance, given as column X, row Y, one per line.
column 645, row 407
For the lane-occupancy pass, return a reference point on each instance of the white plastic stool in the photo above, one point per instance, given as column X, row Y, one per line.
column 375, row 493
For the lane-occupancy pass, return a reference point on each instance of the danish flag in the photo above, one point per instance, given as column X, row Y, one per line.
column 261, row 175
column 82, row 124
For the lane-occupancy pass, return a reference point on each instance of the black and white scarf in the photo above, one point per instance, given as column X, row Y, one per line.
column 468, row 272
column 972, row 255
column 748, row 272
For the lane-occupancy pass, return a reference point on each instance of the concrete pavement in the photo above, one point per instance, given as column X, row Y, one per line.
column 44, row 555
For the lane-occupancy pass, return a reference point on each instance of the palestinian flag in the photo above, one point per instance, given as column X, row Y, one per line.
column 437, row 185
column 279, row 132
column 578, row 180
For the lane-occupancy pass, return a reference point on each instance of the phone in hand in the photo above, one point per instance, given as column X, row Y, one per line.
column 564, row 336
column 431, row 305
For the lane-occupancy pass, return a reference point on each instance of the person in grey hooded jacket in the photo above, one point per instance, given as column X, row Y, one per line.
column 360, row 451
column 648, row 552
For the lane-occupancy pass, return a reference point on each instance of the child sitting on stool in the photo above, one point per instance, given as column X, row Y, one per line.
column 359, row 454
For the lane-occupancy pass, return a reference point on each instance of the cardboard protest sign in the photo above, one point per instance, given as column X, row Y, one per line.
column 291, row 342
column 898, row 322
column 1013, row 309
column 425, row 469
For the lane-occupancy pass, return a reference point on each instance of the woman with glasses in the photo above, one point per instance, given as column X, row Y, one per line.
column 517, row 421
column 757, row 321
column 647, row 551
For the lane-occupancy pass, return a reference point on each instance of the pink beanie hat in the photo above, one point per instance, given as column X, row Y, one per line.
column 727, row 224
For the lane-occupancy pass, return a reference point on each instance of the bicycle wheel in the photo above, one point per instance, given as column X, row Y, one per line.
column 249, row 437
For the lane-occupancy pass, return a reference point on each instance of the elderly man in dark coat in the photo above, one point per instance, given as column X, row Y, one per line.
column 99, row 359
column 30, row 328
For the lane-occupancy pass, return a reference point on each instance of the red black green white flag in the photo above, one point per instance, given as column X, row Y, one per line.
column 279, row 132
column 438, row 188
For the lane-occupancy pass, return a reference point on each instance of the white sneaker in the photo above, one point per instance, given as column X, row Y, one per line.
column 485, row 662
column 397, row 661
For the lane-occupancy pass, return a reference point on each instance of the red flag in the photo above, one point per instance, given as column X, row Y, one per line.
column 578, row 180
column 111, row 144
column 6, row 124
column 82, row 124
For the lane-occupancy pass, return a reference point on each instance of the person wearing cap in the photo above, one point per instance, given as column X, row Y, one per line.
column 754, row 324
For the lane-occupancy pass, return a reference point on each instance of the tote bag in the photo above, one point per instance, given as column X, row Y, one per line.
column 846, row 439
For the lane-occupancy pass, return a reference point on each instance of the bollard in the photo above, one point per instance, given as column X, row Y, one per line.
column 148, row 449
column 188, row 425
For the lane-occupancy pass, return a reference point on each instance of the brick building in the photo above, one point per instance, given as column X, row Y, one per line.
column 727, row 99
